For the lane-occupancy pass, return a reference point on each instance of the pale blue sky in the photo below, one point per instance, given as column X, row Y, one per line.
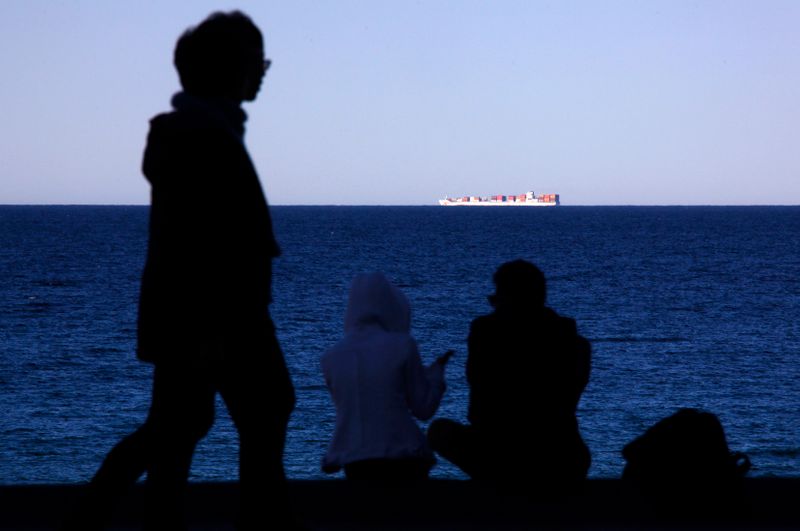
column 402, row 102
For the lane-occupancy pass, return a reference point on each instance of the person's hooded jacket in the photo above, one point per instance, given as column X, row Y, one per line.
column 377, row 381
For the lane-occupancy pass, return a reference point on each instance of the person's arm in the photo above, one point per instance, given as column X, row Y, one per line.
column 479, row 371
column 475, row 367
column 583, row 352
column 424, row 385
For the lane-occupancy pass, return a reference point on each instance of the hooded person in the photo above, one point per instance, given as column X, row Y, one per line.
column 378, row 385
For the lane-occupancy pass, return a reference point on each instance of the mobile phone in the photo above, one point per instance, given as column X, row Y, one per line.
column 444, row 357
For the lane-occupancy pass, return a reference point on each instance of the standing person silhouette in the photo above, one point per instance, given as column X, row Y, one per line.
column 526, row 367
column 204, row 317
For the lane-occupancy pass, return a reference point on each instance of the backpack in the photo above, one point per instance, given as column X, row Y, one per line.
column 684, row 467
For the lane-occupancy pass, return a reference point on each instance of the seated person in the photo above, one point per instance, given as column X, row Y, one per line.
column 377, row 382
column 526, row 368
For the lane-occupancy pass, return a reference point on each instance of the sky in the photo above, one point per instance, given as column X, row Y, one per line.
column 402, row 102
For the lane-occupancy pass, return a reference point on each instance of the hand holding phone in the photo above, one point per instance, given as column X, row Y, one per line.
column 443, row 359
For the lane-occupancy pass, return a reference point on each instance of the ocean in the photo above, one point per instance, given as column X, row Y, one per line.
column 684, row 307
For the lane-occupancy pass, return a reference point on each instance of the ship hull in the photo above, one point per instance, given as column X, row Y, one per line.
column 445, row 202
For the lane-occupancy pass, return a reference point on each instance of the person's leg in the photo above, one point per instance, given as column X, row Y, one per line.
column 458, row 444
column 181, row 414
column 121, row 468
column 258, row 393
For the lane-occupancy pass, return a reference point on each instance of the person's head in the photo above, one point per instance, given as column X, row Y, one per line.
column 374, row 300
column 518, row 283
column 222, row 57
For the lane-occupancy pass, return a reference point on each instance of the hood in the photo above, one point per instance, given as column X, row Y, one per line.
column 223, row 113
column 192, row 117
column 375, row 300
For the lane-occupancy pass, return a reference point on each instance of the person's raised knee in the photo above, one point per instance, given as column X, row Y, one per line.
column 441, row 432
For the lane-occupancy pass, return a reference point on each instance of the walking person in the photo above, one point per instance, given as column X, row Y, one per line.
column 204, row 319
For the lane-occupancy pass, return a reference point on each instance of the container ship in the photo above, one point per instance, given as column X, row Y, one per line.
column 526, row 199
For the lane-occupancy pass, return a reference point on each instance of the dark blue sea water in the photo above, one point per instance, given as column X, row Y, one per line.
column 694, row 306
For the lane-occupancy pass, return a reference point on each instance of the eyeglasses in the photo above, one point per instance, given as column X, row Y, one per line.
column 266, row 63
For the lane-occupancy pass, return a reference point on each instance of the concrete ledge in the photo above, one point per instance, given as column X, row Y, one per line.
column 772, row 503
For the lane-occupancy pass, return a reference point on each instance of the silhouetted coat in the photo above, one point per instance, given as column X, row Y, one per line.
column 527, row 369
column 211, row 242
column 377, row 381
